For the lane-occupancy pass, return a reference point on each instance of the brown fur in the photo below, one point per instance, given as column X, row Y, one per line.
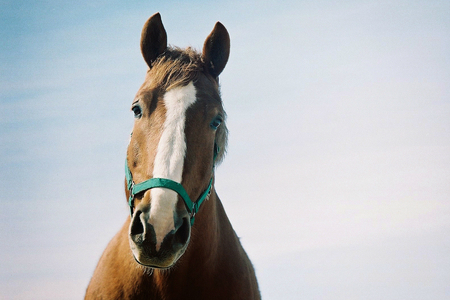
column 214, row 264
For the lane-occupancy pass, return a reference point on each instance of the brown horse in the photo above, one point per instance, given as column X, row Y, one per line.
column 178, row 136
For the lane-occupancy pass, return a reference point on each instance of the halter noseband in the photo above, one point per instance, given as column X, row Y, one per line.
column 192, row 207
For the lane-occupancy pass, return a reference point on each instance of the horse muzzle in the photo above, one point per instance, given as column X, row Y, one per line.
column 158, row 250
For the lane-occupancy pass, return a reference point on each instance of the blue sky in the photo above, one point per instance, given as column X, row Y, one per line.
column 337, row 177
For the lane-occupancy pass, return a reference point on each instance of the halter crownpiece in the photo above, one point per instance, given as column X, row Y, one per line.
column 192, row 207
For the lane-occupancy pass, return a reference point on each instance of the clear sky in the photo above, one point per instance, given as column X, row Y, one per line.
column 337, row 177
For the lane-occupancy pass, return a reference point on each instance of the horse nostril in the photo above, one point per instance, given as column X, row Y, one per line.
column 137, row 228
column 183, row 231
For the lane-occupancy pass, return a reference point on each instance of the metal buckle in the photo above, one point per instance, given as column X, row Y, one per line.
column 131, row 199
column 193, row 213
column 194, row 210
column 209, row 194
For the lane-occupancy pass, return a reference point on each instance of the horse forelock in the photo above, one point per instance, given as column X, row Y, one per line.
column 176, row 67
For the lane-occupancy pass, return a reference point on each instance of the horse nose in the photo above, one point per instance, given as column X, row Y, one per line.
column 153, row 248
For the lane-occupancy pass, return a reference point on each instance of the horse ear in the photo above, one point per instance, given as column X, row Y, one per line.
column 216, row 50
column 153, row 39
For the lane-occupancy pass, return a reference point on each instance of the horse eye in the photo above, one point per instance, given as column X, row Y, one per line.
column 216, row 123
column 137, row 111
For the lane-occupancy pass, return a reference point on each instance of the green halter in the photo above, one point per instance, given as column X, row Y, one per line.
column 192, row 207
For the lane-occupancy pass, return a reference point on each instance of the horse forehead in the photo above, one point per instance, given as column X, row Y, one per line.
column 178, row 99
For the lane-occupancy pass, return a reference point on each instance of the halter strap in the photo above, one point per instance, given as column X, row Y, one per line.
column 192, row 207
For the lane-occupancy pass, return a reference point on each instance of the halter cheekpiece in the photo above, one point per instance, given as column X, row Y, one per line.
column 192, row 207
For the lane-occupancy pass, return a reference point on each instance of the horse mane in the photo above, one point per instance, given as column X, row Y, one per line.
column 178, row 67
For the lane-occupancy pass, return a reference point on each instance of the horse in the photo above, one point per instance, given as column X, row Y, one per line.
column 178, row 242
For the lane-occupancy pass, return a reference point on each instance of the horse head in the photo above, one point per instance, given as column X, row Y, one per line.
column 178, row 136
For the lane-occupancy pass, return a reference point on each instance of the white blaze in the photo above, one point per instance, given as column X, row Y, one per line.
column 169, row 159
